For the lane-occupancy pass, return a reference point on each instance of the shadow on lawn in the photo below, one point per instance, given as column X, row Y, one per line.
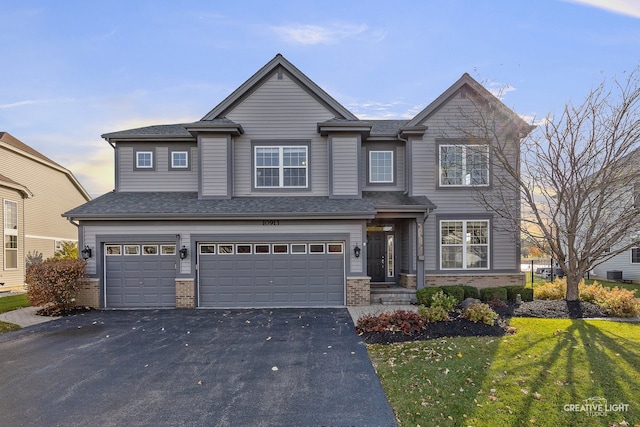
column 610, row 364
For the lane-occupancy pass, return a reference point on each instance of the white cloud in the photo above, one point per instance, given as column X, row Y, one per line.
column 309, row 34
column 622, row 7
column 22, row 103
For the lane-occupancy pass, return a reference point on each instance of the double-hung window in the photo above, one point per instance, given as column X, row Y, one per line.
column 381, row 166
column 281, row 166
column 10, row 235
column 464, row 165
column 464, row 244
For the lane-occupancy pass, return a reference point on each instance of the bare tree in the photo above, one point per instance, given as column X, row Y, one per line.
column 574, row 188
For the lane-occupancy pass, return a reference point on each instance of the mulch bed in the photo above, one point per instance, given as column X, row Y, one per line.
column 559, row 309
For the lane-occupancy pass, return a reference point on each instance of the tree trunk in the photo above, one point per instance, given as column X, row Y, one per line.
column 572, row 287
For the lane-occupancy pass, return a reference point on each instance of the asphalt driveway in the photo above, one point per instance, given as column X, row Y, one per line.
column 280, row 367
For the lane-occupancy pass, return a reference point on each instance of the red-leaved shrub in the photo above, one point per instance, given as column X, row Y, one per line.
column 55, row 283
column 404, row 321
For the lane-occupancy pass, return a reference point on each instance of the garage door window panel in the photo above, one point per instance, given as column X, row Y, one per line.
column 207, row 249
column 298, row 248
column 225, row 249
column 149, row 250
column 244, row 249
column 335, row 248
column 280, row 249
column 262, row 249
column 131, row 250
column 316, row 248
column 168, row 249
column 113, row 250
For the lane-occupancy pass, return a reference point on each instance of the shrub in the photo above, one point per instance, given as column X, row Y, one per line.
column 433, row 314
column 55, row 283
column 526, row 294
column 425, row 295
column 614, row 301
column 551, row 290
column 479, row 312
column 470, row 292
column 489, row 294
column 447, row 302
column 455, row 291
column 404, row 321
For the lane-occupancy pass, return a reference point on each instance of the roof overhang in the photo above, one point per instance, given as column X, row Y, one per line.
column 233, row 129
column 364, row 128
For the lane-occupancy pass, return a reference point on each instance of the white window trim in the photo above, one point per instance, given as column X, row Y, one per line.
column 150, row 166
column 464, row 165
column 173, row 164
column 13, row 232
column 371, row 180
column 464, row 244
column 281, row 167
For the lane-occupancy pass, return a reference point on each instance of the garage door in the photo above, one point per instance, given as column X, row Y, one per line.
column 271, row 274
column 140, row 275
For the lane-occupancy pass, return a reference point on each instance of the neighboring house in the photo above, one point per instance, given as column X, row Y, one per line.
column 35, row 191
column 624, row 266
column 281, row 197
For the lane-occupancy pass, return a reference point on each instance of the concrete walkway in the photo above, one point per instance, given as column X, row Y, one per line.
column 24, row 317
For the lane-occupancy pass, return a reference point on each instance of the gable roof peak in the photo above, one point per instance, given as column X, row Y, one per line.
column 263, row 73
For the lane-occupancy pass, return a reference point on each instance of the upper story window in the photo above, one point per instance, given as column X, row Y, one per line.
column 179, row 160
column 281, row 166
column 381, row 166
column 144, row 159
column 464, row 165
column 10, row 235
column 464, row 244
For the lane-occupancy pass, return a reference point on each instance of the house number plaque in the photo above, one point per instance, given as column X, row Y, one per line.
column 271, row 222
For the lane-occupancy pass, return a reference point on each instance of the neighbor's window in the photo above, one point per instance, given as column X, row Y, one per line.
column 381, row 166
column 10, row 235
column 464, row 165
column 464, row 244
column 179, row 160
column 144, row 159
column 281, row 167
column 635, row 255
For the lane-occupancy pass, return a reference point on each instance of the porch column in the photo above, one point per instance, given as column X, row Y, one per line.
column 419, row 253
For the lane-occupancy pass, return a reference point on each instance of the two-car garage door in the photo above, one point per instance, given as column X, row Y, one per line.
column 254, row 274
column 271, row 274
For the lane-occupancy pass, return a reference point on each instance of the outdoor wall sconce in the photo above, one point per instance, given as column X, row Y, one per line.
column 183, row 252
column 356, row 251
column 86, row 253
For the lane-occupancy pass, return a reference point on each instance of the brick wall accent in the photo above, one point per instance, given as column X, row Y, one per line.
column 89, row 293
column 408, row 281
column 479, row 281
column 185, row 293
column 358, row 291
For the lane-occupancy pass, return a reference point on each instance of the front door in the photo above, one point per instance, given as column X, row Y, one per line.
column 381, row 253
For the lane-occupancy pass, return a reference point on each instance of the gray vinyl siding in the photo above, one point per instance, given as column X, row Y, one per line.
column 214, row 166
column 53, row 194
column 460, row 203
column 252, row 230
column 280, row 110
column 159, row 179
column 621, row 262
column 344, row 166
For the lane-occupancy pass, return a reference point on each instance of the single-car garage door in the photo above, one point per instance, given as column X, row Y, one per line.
column 271, row 274
column 140, row 275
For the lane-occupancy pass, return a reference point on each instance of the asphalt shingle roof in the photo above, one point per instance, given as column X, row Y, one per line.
column 187, row 204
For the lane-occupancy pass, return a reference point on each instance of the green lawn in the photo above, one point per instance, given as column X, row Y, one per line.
column 11, row 303
column 518, row 380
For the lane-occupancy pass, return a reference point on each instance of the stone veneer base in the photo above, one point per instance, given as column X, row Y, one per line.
column 185, row 293
column 479, row 281
column 358, row 291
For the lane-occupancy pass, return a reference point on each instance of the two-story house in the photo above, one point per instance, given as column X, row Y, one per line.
column 34, row 192
column 281, row 197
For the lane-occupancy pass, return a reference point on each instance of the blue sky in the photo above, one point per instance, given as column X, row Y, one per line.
column 73, row 70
